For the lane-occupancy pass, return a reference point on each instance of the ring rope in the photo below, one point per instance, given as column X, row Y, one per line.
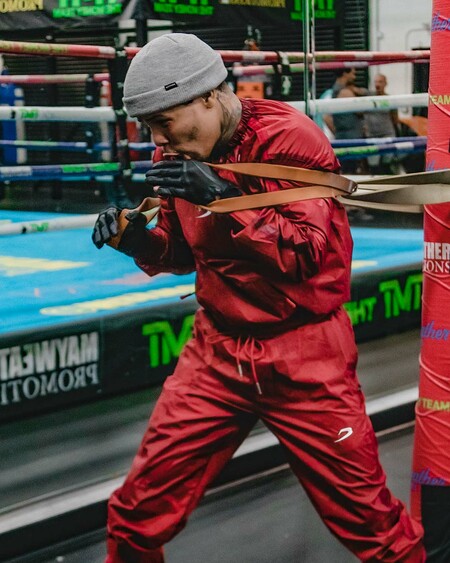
column 294, row 68
column 52, row 78
column 75, row 146
column 270, row 57
column 106, row 114
column 57, row 171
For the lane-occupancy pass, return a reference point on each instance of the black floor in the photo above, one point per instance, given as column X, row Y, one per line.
column 268, row 520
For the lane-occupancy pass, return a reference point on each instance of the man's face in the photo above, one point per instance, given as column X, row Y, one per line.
column 190, row 130
column 380, row 84
column 350, row 76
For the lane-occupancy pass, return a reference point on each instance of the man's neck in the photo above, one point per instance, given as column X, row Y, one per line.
column 232, row 113
column 231, row 116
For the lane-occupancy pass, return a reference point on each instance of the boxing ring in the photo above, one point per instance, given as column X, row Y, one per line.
column 80, row 325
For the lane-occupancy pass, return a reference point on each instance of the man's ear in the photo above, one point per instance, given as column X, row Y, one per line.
column 210, row 98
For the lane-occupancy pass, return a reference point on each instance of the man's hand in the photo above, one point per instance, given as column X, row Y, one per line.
column 190, row 180
column 106, row 226
column 123, row 229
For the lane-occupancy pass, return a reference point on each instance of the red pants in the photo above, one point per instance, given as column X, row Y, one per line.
column 311, row 400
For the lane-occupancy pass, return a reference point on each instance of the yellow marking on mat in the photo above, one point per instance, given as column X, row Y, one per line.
column 356, row 264
column 19, row 266
column 119, row 301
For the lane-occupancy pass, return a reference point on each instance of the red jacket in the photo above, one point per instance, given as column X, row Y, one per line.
column 268, row 270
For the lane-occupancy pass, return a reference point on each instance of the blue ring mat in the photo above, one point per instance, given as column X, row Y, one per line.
column 60, row 277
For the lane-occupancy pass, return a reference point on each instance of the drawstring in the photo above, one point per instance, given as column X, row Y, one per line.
column 252, row 363
column 238, row 357
column 249, row 348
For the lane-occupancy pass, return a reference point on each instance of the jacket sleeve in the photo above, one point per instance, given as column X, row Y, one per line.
column 289, row 240
column 167, row 249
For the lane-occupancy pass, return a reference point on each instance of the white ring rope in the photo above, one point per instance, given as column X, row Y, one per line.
column 66, row 223
column 106, row 114
column 363, row 103
column 44, row 113
column 45, row 225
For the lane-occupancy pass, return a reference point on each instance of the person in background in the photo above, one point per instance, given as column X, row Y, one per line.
column 319, row 118
column 349, row 125
column 252, row 86
column 272, row 340
column 382, row 123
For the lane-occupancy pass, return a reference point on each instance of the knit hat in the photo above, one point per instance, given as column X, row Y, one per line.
column 171, row 70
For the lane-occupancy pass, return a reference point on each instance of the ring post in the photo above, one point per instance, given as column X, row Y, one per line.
column 430, row 491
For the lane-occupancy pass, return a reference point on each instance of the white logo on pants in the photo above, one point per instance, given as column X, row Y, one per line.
column 347, row 432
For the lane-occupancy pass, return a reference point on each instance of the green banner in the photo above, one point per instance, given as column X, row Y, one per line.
column 18, row 15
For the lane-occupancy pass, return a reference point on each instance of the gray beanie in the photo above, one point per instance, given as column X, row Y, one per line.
column 171, row 70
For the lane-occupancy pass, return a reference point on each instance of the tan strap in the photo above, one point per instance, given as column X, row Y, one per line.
column 403, row 193
column 267, row 199
column 382, row 206
column 430, row 177
column 149, row 206
column 290, row 173
column 319, row 185
column 406, row 198
column 389, row 193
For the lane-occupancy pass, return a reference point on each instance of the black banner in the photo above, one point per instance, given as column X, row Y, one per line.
column 74, row 363
column 239, row 12
column 385, row 303
column 16, row 15
column 29, row 15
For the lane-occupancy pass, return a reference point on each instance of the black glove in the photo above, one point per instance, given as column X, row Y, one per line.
column 191, row 180
column 122, row 229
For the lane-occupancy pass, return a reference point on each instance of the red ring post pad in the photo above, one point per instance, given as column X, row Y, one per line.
column 431, row 458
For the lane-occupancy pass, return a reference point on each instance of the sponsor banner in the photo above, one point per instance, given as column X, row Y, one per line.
column 141, row 350
column 427, row 477
column 86, row 361
column 234, row 12
column 36, row 14
column 385, row 303
column 436, row 258
column 440, row 22
column 72, row 363
column 18, row 15
column 49, row 371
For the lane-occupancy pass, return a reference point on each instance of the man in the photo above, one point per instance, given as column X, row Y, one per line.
column 271, row 339
column 319, row 118
column 382, row 123
column 349, row 125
